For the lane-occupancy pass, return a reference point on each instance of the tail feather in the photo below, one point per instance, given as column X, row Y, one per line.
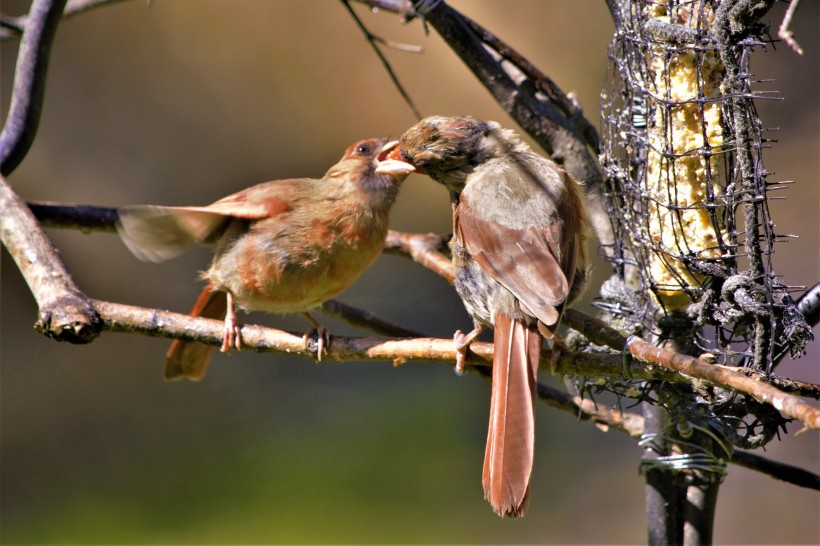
column 188, row 359
column 508, row 457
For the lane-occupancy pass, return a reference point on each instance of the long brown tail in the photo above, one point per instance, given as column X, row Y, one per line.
column 508, row 457
column 188, row 359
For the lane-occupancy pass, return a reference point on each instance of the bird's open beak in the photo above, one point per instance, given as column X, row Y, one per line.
column 390, row 162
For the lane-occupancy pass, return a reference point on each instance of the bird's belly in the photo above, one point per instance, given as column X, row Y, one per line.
column 477, row 290
column 278, row 283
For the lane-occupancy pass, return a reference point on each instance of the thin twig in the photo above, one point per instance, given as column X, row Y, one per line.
column 159, row 323
column 777, row 470
column 373, row 43
column 424, row 249
column 14, row 26
column 362, row 318
column 407, row 48
column 800, row 388
column 785, row 33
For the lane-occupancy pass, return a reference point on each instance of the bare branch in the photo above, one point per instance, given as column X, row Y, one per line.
column 362, row 318
column 29, row 83
column 726, row 377
column 153, row 322
column 779, row 471
column 785, row 33
column 569, row 107
column 424, row 249
column 158, row 323
column 65, row 313
column 68, row 216
column 587, row 410
column 14, row 26
column 800, row 388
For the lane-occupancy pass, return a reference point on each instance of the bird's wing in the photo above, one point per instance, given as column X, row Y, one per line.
column 156, row 233
column 264, row 200
column 529, row 262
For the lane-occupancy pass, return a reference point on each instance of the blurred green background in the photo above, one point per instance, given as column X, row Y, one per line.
column 183, row 102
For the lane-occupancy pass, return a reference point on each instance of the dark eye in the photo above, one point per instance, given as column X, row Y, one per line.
column 362, row 149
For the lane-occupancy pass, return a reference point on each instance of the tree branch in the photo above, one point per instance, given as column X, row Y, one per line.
column 726, row 377
column 159, row 323
column 29, row 83
column 785, row 33
column 364, row 319
column 65, row 314
column 425, row 249
column 11, row 27
column 779, row 471
column 153, row 322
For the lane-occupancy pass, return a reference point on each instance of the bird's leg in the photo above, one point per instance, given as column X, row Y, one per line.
column 462, row 343
column 233, row 334
column 322, row 335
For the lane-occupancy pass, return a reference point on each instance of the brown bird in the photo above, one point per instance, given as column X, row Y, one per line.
column 284, row 246
column 519, row 253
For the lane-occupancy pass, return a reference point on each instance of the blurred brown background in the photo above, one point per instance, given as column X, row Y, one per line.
column 183, row 102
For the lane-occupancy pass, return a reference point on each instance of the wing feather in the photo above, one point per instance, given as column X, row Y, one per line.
column 527, row 262
column 156, row 233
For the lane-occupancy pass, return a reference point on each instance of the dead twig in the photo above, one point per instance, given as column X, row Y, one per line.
column 373, row 40
column 785, row 33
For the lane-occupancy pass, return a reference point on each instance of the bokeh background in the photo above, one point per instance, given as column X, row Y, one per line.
column 183, row 102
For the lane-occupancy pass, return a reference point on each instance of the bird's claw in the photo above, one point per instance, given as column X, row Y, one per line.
column 233, row 331
column 233, row 334
column 322, row 340
column 462, row 344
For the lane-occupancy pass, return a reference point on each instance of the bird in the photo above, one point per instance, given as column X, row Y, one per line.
column 284, row 246
column 519, row 253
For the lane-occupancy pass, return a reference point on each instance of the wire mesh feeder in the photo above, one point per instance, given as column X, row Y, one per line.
column 687, row 190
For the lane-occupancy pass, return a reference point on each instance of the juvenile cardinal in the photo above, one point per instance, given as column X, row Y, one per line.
column 519, row 253
column 284, row 246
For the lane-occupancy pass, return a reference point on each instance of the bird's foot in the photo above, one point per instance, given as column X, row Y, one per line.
column 462, row 343
column 233, row 331
column 322, row 340
column 461, row 351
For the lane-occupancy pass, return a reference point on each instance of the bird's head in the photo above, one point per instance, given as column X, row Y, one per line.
column 448, row 148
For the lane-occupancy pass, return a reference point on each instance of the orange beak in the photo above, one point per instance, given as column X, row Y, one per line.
column 390, row 162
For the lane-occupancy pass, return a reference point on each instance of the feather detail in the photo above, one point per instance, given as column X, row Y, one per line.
column 508, row 457
column 525, row 261
column 155, row 234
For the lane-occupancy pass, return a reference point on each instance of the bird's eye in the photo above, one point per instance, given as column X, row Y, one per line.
column 362, row 149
